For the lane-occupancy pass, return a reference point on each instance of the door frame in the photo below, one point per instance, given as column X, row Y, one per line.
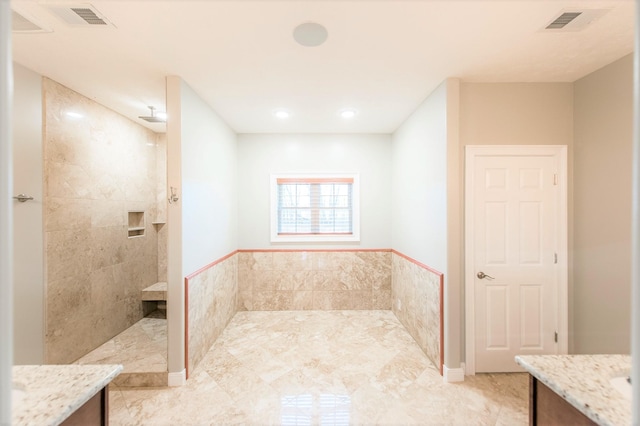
column 562, row 315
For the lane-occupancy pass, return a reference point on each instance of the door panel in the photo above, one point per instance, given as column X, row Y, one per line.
column 531, row 316
column 515, row 227
column 496, row 246
column 497, row 300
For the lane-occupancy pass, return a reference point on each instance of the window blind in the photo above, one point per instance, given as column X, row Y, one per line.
column 315, row 206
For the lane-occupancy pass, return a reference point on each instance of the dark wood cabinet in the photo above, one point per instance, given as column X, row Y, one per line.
column 94, row 412
column 548, row 408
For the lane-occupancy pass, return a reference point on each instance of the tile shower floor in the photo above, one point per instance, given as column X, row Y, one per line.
column 319, row 367
column 141, row 349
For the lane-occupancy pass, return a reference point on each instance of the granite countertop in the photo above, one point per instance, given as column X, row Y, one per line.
column 584, row 382
column 54, row 392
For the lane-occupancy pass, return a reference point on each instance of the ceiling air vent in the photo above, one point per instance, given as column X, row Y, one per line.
column 21, row 24
column 574, row 20
column 80, row 15
column 562, row 20
column 88, row 15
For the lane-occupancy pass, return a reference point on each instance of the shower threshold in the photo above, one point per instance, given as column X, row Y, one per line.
column 141, row 349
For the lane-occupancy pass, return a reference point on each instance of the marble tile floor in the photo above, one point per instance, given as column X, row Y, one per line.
column 141, row 349
column 321, row 368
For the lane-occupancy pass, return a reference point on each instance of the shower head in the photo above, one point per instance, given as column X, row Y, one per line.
column 153, row 118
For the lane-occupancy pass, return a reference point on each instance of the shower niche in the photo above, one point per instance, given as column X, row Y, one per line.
column 136, row 224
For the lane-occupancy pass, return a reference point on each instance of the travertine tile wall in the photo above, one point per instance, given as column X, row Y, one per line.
column 416, row 303
column 212, row 296
column 97, row 167
column 318, row 280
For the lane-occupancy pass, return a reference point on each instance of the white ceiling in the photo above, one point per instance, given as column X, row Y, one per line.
column 382, row 57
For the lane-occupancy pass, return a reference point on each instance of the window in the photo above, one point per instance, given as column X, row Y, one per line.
column 314, row 208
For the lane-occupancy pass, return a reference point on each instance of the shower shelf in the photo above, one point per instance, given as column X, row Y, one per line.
column 136, row 224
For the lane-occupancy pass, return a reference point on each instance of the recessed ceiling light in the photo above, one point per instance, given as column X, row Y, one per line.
column 348, row 113
column 73, row 114
column 310, row 34
column 282, row 114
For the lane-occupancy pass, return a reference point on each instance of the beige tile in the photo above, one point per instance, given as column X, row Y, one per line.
column 361, row 299
column 302, row 280
column 292, row 261
column 381, row 300
column 68, row 340
column 256, row 260
column 67, row 213
column 213, row 302
column 338, row 367
column 68, row 253
column 416, row 303
column 272, row 300
column 302, row 300
column 64, row 180
column 108, row 246
column 91, row 167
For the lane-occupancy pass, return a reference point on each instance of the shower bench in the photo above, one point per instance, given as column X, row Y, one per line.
column 156, row 293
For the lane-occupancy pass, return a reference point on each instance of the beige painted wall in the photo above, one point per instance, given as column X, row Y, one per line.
column 514, row 114
column 602, row 203
column 28, row 251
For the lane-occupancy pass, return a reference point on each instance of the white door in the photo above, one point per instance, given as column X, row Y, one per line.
column 516, row 244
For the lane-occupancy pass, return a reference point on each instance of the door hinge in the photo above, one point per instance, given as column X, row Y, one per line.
column 555, row 257
column 555, row 179
column 555, row 337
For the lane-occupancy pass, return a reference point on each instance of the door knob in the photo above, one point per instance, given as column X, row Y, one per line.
column 22, row 198
column 482, row 276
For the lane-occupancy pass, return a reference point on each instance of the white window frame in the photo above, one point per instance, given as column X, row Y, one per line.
column 328, row 238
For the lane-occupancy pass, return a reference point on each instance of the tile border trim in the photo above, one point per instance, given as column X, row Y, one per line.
column 211, row 265
column 294, row 250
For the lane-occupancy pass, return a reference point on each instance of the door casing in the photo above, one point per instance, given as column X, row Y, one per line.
column 471, row 152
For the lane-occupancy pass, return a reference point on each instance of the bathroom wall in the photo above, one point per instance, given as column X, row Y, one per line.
column 28, row 250
column 275, row 280
column 202, row 226
column 419, row 191
column 275, row 276
column 515, row 114
column 260, row 155
column 603, row 126
column 98, row 166
column 425, row 210
column 209, row 191
column 417, row 295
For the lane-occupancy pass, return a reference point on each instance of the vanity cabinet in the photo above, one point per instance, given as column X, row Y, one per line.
column 548, row 408
column 66, row 395
column 94, row 412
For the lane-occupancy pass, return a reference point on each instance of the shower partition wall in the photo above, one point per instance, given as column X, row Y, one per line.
column 98, row 167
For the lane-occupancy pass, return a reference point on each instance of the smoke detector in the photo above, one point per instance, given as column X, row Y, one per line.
column 79, row 15
column 573, row 20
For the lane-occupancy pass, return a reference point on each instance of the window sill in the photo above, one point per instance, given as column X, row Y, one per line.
column 315, row 238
